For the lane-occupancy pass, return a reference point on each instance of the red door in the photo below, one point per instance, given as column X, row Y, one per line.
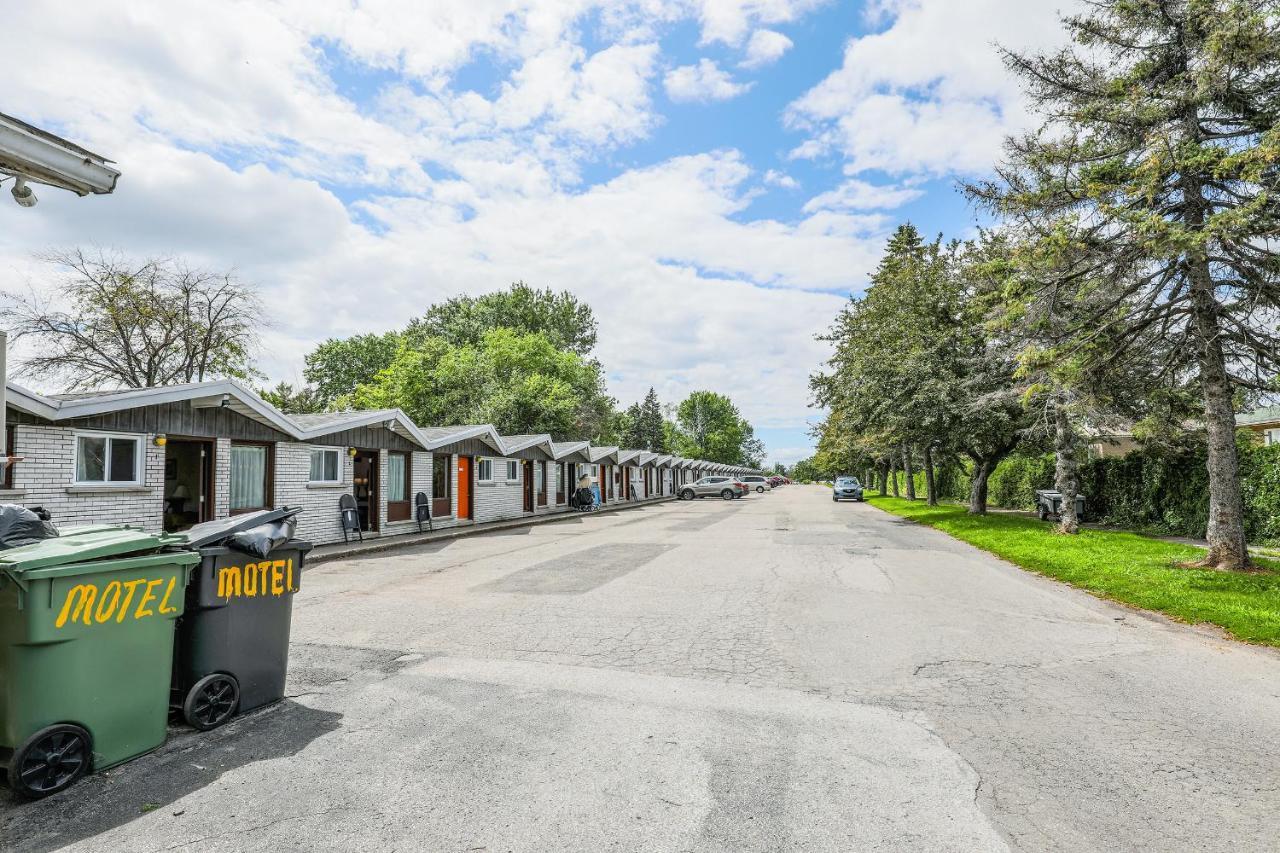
column 464, row 487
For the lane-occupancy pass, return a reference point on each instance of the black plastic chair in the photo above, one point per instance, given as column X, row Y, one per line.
column 350, row 517
column 422, row 510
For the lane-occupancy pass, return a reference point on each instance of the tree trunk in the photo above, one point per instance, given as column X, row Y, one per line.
column 930, row 484
column 1228, row 548
column 893, row 476
column 908, row 472
column 982, row 468
column 1065, row 471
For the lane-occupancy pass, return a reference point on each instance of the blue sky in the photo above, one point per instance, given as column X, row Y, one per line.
column 714, row 176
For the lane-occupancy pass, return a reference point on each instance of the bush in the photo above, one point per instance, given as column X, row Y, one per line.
column 1164, row 492
column 1014, row 482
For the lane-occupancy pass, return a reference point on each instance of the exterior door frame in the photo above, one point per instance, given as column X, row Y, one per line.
column 530, row 499
column 375, row 486
column 466, row 510
column 208, row 471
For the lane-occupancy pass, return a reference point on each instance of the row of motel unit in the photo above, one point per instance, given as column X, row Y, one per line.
column 166, row 458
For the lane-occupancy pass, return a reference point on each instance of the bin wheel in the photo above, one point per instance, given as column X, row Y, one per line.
column 50, row 761
column 211, row 702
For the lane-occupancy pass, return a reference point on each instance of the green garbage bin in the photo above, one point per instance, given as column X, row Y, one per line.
column 232, row 652
column 86, row 650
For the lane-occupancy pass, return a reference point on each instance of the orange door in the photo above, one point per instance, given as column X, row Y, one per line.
column 464, row 487
column 604, row 486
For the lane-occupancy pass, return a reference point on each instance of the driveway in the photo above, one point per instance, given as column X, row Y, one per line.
column 777, row 673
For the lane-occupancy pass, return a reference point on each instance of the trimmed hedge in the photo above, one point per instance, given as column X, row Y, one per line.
column 1158, row 492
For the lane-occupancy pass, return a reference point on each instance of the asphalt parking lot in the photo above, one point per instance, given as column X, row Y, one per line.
column 777, row 673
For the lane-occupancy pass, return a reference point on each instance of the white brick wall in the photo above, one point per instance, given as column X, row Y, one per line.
column 500, row 498
column 49, row 472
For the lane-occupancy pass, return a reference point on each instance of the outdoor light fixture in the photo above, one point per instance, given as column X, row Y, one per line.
column 161, row 439
column 351, row 451
column 22, row 193
column 37, row 156
column 225, row 402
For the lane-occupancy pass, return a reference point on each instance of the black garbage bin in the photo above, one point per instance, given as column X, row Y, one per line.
column 232, row 646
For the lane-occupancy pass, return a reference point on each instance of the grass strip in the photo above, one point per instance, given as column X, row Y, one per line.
column 1121, row 566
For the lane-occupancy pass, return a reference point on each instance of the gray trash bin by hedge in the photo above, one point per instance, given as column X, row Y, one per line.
column 232, row 652
column 1049, row 504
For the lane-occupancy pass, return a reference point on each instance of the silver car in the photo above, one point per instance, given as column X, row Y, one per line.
column 725, row 487
column 757, row 484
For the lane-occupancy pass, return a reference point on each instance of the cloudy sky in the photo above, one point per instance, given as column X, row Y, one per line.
column 714, row 177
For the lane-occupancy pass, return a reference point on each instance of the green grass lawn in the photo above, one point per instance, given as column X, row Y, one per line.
column 1121, row 566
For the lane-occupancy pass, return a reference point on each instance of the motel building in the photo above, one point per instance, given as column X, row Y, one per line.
column 163, row 459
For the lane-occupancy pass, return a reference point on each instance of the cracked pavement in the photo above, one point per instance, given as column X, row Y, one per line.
column 776, row 673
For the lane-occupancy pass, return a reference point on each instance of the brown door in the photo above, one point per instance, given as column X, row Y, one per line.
column 604, row 486
column 464, row 487
column 441, row 483
column 399, row 487
column 542, row 492
column 364, row 486
column 528, row 487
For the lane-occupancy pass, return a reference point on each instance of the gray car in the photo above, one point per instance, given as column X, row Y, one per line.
column 846, row 489
column 724, row 487
column 757, row 483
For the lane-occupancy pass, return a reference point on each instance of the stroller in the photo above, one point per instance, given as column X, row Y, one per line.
column 583, row 500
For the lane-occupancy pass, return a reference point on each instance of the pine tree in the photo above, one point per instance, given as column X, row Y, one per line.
column 1159, row 158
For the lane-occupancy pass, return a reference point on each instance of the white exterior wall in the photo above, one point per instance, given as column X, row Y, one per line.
column 318, row 522
column 47, row 479
column 501, row 498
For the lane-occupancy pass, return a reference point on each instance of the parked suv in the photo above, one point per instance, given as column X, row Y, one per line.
column 846, row 489
column 725, row 487
column 757, row 483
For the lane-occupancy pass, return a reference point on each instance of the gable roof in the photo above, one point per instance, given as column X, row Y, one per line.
column 327, row 423
column 625, row 456
column 437, row 437
column 224, row 393
column 599, row 454
column 516, row 443
column 563, row 449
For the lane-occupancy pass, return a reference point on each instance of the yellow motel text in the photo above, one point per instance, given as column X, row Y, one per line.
column 115, row 601
column 255, row 580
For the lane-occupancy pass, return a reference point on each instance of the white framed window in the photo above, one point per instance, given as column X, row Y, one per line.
column 484, row 470
column 513, row 470
column 326, row 465
column 105, row 459
column 537, row 477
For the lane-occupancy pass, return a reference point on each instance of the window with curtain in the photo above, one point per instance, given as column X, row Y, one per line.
column 108, row 459
column 249, row 467
column 397, row 477
column 325, row 466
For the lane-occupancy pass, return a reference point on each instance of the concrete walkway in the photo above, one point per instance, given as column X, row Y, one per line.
column 376, row 544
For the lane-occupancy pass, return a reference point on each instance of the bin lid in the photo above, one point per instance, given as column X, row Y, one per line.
column 83, row 546
column 213, row 532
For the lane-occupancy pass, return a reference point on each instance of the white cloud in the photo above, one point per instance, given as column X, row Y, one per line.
column 705, row 81
column 765, row 47
column 243, row 146
column 855, row 194
column 729, row 21
column 929, row 94
column 775, row 178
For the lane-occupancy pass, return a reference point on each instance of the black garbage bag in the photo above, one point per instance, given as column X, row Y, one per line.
column 265, row 538
column 22, row 526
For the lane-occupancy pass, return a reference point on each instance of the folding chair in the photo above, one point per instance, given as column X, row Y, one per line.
column 422, row 510
column 350, row 517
